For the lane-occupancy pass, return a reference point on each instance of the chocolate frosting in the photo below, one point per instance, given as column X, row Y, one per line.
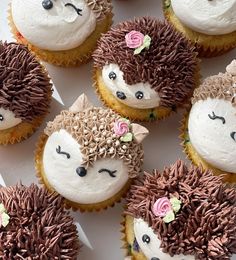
column 93, row 130
column 221, row 86
column 101, row 8
column 25, row 87
column 39, row 227
column 205, row 226
column 169, row 65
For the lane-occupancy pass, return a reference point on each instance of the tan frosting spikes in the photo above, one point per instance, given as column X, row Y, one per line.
column 222, row 86
column 93, row 128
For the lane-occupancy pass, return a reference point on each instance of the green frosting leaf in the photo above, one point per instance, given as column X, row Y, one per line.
column 5, row 219
column 176, row 204
column 147, row 41
column 125, row 120
column 127, row 137
column 146, row 44
column 2, row 208
column 138, row 50
column 169, row 217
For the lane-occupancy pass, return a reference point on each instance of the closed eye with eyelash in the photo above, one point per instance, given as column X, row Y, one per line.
column 214, row 117
column 59, row 151
column 111, row 173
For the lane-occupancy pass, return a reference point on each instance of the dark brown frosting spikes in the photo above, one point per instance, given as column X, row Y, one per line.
column 39, row 226
column 169, row 64
column 25, row 87
column 205, row 225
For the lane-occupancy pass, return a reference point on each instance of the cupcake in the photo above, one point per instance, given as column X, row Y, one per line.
column 209, row 129
column 63, row 33
column 34, row 225
column 138, row 72
column 25, row 93
column 210, row 25
column 182, row 213
column 90, row 155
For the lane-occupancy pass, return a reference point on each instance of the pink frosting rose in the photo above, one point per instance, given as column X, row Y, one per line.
column 161, row 207
column 121, row 128
column 134, row 39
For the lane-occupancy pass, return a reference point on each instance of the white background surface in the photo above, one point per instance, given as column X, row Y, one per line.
column 161, row 147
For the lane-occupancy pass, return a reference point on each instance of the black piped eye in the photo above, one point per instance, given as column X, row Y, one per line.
column 155, row 258
column 139, row 94
column 121, row 95
column 146, row 239
column 1, row 117
column 81, row 171
column 112, row 75
column 47, row 4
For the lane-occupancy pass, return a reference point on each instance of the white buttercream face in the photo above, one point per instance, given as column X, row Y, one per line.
column 8, row 119
column 214, row 17
column 139, row 95
column 212, row 132
column 150, row 244
column 62, row 160
column 53, row 24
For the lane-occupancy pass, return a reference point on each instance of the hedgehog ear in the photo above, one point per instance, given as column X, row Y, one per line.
column 231, row 68
column 139, row 132
column 82, row 103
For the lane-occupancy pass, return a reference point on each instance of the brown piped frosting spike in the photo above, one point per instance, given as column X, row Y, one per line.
column 25, row 87
column 222, row 86
column 100, row 7
column 38, row 228
column 205, row 225
column 92, row 128
column 169, row 64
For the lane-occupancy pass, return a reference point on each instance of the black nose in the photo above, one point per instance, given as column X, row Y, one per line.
column 81, row 171
column 121, row 95
column 155, row 258
column 47, row 4
column 233, row 135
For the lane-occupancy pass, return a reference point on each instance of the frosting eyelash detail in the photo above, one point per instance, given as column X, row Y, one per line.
column 59, row 151
column 214, row 116
column 78, row 10
column 111, row 173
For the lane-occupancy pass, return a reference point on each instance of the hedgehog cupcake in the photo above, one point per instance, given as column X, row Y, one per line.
column 144, row 69
column 25, row 93
column 209, row 24
column 63, row 33
column 182, row 213
column 34, row 225
column 90, row 155
column 209, row 130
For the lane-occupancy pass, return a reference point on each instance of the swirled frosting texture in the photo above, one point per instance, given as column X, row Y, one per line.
column 38, row 225
column 25, row 87
column 204, row 227
column 159, row 65
column 63, row 25
column 93, row 130
column 216, row 17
